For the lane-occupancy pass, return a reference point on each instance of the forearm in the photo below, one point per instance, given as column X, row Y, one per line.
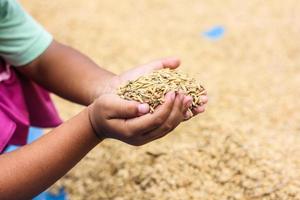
column 68, row 73
column 34, row 167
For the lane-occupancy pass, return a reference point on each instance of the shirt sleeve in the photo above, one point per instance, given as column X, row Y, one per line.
column 22, row 39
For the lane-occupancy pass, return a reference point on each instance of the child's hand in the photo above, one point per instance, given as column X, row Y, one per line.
column 134, row 73
column 131, row 122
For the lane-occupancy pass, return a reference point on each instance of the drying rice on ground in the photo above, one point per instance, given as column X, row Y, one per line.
column 245, row 146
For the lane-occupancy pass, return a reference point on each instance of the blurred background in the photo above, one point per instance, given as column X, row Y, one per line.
column 245, row 53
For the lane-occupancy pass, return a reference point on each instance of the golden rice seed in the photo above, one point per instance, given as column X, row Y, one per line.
column 153, row 87
column 191, row 113
column 151, row 109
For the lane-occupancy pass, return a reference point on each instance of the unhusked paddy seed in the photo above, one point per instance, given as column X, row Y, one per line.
column 152, row 88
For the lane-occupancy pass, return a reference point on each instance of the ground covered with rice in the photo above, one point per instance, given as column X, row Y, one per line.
column 245, row 146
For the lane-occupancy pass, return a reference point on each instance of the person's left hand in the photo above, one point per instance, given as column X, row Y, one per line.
column 135, row 73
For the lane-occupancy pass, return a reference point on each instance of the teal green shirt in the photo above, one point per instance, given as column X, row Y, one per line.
column 22, row 39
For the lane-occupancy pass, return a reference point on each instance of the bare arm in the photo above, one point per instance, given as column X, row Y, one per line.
column 33, row 168
column 68, row 73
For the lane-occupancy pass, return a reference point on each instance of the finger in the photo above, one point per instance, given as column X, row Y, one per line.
column 170, row 62
column 188, row 114
column 174, row 119
column 198, row 110
column 176, row 115
column 204, row 99
column 152, row 121
column 123, row 109
column 187, row 102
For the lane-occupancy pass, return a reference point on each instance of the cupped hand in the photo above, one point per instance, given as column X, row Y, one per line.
column 135, row 73
column 131, row 122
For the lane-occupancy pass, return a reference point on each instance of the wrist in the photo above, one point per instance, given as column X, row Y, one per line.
column 92, row 124
column 109, row 85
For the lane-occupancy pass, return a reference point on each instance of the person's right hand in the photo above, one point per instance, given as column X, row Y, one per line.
column 131, row 122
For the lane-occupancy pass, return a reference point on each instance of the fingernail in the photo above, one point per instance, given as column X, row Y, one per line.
column 143, row 108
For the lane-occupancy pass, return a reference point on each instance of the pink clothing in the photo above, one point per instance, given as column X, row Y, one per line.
column 23, row 103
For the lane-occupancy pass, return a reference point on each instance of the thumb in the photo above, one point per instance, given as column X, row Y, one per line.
column 171, row 62
column 124, row 109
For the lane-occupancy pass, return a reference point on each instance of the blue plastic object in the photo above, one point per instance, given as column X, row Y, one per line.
column 62, row 195
column 34, row 133
column 214, row 33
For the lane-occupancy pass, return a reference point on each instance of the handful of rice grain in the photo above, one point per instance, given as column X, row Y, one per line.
column 152, row 88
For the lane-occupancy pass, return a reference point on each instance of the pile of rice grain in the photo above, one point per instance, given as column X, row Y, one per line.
column 152, row 88
column 231, row 165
